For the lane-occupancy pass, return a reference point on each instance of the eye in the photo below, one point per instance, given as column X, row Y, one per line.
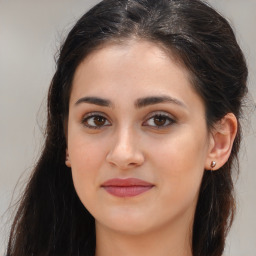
column 95, row 121
column 159, row 120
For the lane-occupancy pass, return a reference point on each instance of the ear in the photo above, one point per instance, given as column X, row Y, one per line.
column 221, row 142
column 67, row 161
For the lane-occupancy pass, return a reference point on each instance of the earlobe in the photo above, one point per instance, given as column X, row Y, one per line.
column 67, row 161
column 221, row 142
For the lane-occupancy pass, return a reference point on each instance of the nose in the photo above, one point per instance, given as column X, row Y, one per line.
column 125, row 152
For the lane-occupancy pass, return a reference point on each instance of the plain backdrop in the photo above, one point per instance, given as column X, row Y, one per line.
column 30, row 34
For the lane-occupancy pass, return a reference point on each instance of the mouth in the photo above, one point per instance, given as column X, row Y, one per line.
column 126, row 187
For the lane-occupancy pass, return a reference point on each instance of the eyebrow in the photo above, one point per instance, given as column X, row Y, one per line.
column 95, row 101
column 147, row 101
column 139, row 103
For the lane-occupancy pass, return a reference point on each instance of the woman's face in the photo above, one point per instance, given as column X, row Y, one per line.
column 137, row 139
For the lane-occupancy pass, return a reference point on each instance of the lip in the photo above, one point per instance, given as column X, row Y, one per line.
column 126, row 187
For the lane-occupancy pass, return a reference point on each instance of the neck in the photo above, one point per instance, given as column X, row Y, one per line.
column 162, row 242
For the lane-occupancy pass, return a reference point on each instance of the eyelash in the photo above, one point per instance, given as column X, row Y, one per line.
column 160, row 115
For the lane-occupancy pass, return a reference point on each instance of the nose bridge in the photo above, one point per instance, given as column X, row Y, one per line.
column 125, row 151
column 125, row 138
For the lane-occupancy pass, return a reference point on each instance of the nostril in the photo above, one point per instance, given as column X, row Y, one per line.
column 132, row 164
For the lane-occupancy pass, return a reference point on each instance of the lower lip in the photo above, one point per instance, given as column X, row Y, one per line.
column 128, row 191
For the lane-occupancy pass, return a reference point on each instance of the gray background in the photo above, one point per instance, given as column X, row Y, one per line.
column 30, row 34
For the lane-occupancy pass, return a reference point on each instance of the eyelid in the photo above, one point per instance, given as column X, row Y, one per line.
column 160, row 113
column 94, row 113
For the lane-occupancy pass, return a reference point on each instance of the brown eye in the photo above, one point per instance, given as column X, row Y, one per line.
column 99, row 120
column 161, row 120
column 95, row 121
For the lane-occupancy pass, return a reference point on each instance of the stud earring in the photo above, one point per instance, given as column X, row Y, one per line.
column 213, row 164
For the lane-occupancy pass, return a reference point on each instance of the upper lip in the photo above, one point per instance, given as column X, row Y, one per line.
column 128, row 182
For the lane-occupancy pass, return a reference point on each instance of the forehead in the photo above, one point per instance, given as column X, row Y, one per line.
column 132, row 49
column 141, row 66
column 130, row 55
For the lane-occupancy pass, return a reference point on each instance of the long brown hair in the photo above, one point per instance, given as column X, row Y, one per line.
column 51, row 220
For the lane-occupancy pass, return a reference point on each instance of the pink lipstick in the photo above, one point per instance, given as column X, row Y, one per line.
column 126, row 187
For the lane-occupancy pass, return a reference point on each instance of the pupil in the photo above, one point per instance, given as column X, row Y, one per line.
column 159, row 120
column 98, row 120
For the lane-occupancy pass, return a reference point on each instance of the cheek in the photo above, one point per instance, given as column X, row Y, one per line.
column 86, row 152
column 180, row 153
column 86, row 161
column 181, row 167
column 85, row 157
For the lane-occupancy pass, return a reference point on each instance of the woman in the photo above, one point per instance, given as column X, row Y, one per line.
column 143, row 131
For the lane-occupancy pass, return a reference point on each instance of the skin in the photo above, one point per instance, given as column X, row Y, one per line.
column 129, row 144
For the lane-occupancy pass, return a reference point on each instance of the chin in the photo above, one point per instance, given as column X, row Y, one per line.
column 128, row 224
